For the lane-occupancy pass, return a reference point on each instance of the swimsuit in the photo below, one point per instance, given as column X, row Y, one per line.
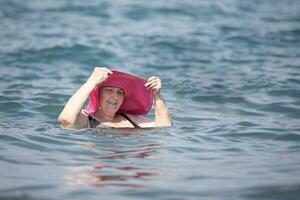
column 94, row 123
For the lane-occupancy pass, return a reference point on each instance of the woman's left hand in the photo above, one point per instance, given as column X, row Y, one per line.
column 154, row 84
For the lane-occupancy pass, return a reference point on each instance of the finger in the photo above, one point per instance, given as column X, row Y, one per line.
column 109, row 71
column 153, row 78
column 103, row 69
column 150, row 84
column 157, row 81
column 154, row 90
column 154, row 84
column 153, row 81
column 154, row 87
column 147, row 84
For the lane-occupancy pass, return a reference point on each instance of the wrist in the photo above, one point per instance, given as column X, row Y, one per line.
column 89, row 85
column 157, row 96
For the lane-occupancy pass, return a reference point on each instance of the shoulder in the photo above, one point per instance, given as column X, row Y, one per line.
column 135, row 118
column 141, row 121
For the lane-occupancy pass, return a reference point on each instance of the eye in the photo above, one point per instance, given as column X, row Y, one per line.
column 108, row 90
column 120, row 92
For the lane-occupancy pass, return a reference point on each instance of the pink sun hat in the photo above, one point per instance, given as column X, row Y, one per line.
column 138, row 99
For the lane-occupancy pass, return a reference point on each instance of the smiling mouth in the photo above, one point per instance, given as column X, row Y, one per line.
column 112, row 103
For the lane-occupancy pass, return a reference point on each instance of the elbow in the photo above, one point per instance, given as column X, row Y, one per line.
column 162, row 125
column 64, row 122
column 163, row 120
column 167, row 123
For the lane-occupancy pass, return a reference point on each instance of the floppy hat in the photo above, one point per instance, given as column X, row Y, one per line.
column 137, row 98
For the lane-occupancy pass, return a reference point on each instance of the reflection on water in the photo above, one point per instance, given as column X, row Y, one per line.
column 117, row 166
column 94, row 176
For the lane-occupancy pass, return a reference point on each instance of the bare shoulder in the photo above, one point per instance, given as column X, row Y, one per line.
column 136, row 118
column 141, row 121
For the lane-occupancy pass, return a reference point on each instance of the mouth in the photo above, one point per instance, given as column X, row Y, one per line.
column 112, row 103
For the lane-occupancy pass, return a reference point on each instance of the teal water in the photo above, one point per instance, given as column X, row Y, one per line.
column 231, row 78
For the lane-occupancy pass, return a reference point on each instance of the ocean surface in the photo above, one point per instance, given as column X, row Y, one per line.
column 231, row 78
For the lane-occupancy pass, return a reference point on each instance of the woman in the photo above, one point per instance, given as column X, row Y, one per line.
column 116, row 99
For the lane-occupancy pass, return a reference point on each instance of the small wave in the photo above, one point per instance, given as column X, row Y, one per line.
column 272, row 191
column 292, row 137
column 219, row 99
column 293, row 93
column 252, row 134
column 11, row 106
column 281, row 108
column 27, row 188
column 77, row 53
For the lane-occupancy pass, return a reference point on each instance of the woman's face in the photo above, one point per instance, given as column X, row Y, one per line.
column 111, row 99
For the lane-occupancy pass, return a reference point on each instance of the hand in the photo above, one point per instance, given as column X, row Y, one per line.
column 99, row 75
column 154, row 84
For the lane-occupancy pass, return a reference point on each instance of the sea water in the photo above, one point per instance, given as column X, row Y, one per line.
column 231, row 78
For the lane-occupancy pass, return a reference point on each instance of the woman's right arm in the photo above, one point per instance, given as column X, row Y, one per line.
column 71, row 116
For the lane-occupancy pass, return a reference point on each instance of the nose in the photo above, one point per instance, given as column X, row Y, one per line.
column 114, row 95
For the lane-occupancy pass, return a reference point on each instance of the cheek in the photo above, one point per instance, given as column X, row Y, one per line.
column 122, row 99
column 102, row 98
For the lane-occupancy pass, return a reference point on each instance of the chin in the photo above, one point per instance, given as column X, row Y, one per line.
column 113, row 111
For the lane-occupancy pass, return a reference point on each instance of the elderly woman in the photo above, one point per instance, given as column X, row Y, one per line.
column 116, row 99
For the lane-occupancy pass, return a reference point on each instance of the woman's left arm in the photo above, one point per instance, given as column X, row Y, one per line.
column 162, row 115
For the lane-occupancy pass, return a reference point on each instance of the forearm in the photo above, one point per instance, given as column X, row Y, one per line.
column 162, row 115
column 73, row 107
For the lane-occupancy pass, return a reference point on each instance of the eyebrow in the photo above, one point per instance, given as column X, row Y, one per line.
column 119, row 89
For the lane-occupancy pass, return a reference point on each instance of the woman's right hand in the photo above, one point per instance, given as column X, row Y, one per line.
column 99, row 75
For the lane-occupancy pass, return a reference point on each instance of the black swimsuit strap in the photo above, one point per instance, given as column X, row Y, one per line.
column 130, row 120
column 94, row 123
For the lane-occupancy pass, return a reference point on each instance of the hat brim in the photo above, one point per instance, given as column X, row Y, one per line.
column 138, row 99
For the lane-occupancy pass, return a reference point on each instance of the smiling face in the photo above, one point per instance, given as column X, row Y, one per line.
column 111, row 99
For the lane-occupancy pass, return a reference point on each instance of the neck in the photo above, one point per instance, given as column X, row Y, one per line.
column 105, row 116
